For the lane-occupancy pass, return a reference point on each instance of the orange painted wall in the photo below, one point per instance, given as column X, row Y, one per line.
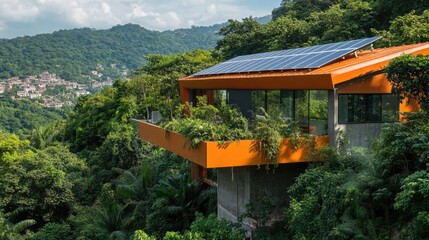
column 171, row 141
column 377, row 84
column 229, row 154
column 245, row 153
column 408, row 106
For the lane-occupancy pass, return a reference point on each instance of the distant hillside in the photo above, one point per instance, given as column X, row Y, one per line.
column 71, row 53
column 20, row 116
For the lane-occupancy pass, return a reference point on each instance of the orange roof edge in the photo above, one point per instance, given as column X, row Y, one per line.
column 375, row 64
column 323, row 78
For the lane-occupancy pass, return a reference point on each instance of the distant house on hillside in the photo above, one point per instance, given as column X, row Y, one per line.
column 348, row 84
column 22, row 94
column 14, row 81
column 34, row 94
column 81, row 92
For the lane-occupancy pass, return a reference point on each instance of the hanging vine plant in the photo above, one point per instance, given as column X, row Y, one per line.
column 208, row 123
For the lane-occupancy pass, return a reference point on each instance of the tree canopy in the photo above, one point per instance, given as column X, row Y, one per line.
column 409, row 76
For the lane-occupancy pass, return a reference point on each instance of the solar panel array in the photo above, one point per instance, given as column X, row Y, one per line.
column 299, row 58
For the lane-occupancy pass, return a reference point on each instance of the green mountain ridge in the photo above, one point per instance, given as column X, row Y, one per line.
column 71, row 53
column 76, row 52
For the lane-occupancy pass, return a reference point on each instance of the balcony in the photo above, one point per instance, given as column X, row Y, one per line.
column 228, row 154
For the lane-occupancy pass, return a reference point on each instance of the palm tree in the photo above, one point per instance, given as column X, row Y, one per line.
column 43, row 136
column 9, row 230
column 184, row 197
column 134, row 187
column 110, row 219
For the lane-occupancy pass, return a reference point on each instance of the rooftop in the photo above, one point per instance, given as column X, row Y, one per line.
column 325, row 77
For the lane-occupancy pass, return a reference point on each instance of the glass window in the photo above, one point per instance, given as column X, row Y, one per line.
column 318, row 112
column 309, row 108
column 302, row 109
column 273, row 102
column 287, row 103
column 372, row 109
column 258, row 100
column 343, row 111
column 367, row 108
column 390, row 108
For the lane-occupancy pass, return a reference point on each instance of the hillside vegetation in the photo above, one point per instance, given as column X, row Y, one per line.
column 303, row 23
column 20, row 116
column 71, row 53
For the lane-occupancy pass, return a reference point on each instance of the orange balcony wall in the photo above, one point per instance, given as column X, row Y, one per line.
column 229, row 154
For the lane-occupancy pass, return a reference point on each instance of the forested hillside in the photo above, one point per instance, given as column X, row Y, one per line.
column 71, row 53
column 20, row 116
column 304, row 23
column 91, row 177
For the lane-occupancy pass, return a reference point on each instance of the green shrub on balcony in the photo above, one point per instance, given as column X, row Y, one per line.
column 208, row 123
column 225, row 123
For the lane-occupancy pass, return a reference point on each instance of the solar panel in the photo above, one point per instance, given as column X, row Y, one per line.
column 298, row 58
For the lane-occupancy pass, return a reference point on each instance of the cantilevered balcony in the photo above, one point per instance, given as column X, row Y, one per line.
column 228, row 154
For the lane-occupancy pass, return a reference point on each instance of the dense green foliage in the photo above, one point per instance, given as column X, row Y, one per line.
column 208, row 123
column 70, row 53
column 225, row 123
column 409, row 76
column 156, row 85
column 304, row 23
column 376, row 194
column 20, row 117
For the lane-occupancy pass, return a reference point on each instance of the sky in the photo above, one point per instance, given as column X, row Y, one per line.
column 31, row 17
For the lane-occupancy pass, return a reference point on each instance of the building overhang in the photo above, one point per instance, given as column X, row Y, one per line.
column 212, row 154
column 324, row 78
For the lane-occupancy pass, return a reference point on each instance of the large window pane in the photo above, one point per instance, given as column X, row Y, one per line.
column 318, row 112
column 302, row 107
column 390, row 108
column 241, row 99
column 287, row 103
column 273, row 102
column 373, row 108
column 258, row 100
column 343, row 109
column 367, row 108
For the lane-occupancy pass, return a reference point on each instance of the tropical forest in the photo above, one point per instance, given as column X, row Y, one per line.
column 82, row 171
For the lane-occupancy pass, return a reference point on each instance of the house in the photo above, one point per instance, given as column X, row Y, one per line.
column 22, row 94
column 81, row 93
column 346, row 84
column 28, row 88
column 96, row 84
column 14, row 81
column 34, row 94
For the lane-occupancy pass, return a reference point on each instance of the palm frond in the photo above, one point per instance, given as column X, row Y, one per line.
column 23, row 225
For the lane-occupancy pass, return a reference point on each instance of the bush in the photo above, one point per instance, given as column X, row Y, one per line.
column 54, row 231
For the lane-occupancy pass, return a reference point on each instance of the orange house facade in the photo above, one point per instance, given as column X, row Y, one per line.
column 350, row 95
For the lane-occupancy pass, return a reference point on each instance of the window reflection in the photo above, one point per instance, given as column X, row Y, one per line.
column 308, row 107
column 367, row 108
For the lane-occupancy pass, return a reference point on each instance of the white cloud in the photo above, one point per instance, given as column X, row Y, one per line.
column 137, row 12
column 78, row 16
column 152, row 14
column 18, row 10
column 106, row 8
column 211, row 10
column 174, row 19
column 193, row 2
